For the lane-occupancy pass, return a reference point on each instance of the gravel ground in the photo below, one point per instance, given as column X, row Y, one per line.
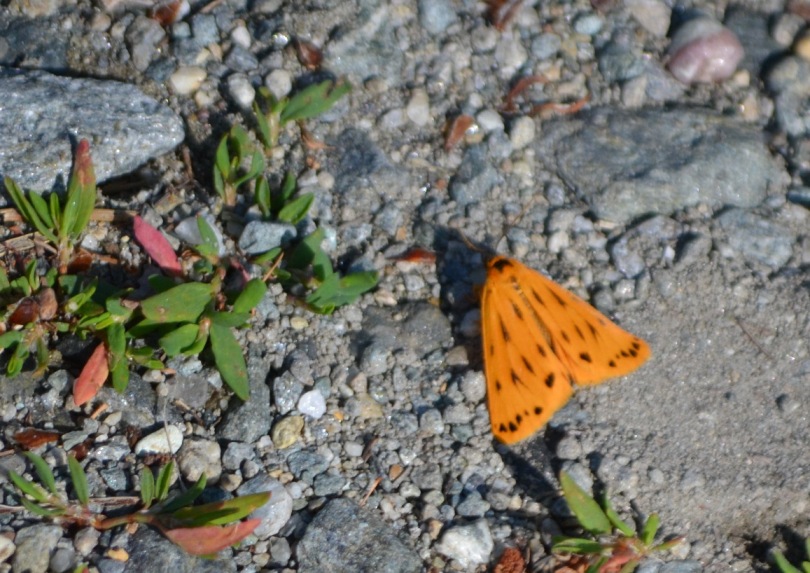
column 656, row 170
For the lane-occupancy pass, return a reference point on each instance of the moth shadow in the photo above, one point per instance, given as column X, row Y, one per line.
column 461, row 273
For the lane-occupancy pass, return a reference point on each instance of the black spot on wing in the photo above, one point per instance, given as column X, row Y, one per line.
column 516, row 310
column 579, row 333
column 500, row 264
column 541, row 350
column 586, row 357
column 549, row 381
column 565, row 336
column 527, row 364
column 537, row 297
column 504, row 331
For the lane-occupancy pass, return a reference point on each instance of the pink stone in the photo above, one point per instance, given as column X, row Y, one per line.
column 703, row 51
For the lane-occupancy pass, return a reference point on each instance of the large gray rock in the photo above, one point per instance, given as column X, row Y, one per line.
column 44, row 116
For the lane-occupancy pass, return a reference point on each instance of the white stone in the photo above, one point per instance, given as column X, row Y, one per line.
column 164, row 441
column 489, row 120
column 7, row 548
column 279, row 82
column 470, row 545
column 418, row 110
column 312, row 404
column 241, row 37
column 187, row 80
column 521, row 133
column 241, row 90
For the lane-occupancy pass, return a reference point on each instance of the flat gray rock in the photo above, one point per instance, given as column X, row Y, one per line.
column 346, row 537
column 44, row 116
column 626, row 164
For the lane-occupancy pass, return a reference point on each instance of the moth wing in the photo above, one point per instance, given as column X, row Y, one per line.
column 526, row 381
column 590, row 346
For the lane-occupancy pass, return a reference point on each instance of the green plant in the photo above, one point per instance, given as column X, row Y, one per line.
column 233, row 152
column 62, row 225
column 273, row 114
column 785, row 566
column 618, row 548
column 200, row 530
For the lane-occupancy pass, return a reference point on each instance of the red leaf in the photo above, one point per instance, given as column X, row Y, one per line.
column 157, row 247
column 93, row 376
column 209, row 539
column 32, row 438
column 417, row 255
column 83, row 165
column 456, row 131
column 309, row 55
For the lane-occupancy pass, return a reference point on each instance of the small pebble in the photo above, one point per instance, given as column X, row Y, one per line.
column 164, row 441
column 286, row 431
column 703, row 51
column 418, row 109
column 241, row 90
column 187, row 80
column 312, row 404
column 470, row 545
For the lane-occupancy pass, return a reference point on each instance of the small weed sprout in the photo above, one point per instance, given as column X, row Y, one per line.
column 617, row 548
column 200, row 530
column 785, row 566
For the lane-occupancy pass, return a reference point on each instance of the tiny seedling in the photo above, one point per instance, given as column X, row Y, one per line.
column 233, row 152
column 785, row 566
column 273, row 114
column 200, row 530
column 617, row 548
column 60, row 224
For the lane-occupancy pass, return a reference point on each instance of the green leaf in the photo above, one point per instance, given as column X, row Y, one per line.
column 288, row 187
column 267, row 257
column 39, row 510
column 309, row 252
column 164, row 481
column 649, row 529
column 209, row 246
column 147, row 486
column 17, row 360
column 576, row 545
column 43, row 471
column 10, row 338
column 221, row 512
column 160, row 283
column 335, row 292
column 229, row 319
column 229, row 360
column 313, row 100
column 256, row 167
column 783, row 564
column 79, row 479
column 262, row 195
column 251, row 295
column 55, row 211
column 27, row 210
column 614, row 518
column 222, row 159
column 183, row 499
column 183, row 303
column 294, row 211
column 117, row 356
column 41, row 207
column 179, row 339
column 27, row 487
column 587, row 511
column 81, row 193
column 264, row 128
